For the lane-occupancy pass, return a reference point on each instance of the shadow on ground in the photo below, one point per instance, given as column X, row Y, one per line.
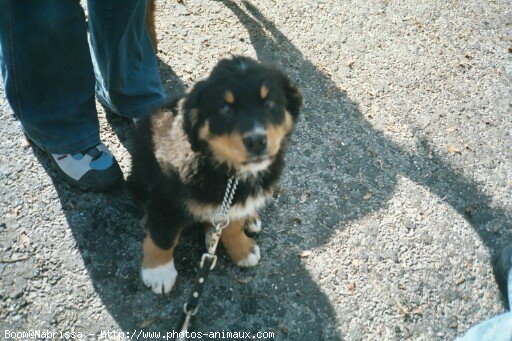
column 349, row 160
column 381, row 160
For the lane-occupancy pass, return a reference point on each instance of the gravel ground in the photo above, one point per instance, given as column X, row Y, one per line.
column 395, row 200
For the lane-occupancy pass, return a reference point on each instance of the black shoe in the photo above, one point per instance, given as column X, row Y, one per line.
column 502, row 268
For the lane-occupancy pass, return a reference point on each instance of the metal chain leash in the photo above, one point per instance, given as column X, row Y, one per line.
column 219, row 221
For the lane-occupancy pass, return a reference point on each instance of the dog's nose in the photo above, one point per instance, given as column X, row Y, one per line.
column 256, row 144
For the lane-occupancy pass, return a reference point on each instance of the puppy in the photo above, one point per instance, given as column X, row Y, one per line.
column 236, row 122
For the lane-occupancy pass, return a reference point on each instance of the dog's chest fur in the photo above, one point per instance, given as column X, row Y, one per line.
column 204, row 212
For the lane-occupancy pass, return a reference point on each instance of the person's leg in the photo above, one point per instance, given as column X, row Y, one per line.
column 47, row 73
column 498, row 328
column 127, row 78
column 509, row 283
column 49, row 83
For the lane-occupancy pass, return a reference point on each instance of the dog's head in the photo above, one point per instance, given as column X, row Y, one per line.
column 242, row 113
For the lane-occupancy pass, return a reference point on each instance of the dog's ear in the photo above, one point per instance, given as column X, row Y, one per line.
column 191, row 108
column 293, row 95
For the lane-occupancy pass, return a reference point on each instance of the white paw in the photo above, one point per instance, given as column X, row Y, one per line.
column 161, row 279
column 254, row 225
column 252, row 259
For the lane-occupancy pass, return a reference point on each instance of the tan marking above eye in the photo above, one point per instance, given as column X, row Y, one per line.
column 264, row 91
column 229, row 97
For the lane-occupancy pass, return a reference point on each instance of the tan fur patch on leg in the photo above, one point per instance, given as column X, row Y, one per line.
column 154, row 256
column 158, row 271
column 243, row 250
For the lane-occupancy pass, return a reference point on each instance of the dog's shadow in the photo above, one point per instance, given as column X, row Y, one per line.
column 279, row 295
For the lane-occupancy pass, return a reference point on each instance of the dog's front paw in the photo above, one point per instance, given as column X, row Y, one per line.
column 253, row 224
column 252, row 258
column 160, row 279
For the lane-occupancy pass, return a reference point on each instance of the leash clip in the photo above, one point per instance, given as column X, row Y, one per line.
column 210, row 256
column 220, row 221
column 191, row 312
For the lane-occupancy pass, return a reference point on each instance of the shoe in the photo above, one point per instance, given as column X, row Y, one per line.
column 94, row 168
column 503, row 268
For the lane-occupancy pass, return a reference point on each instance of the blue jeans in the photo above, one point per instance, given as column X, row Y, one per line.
column 51, row 77
column 498, row 328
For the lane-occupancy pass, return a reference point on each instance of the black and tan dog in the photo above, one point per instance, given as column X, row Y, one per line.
column 236, row 122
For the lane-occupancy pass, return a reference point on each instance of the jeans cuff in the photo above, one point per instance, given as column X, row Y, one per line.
column 137, row 112
column 68, row 147
column 76, row 147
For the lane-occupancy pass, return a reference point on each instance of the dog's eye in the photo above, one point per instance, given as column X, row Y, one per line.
column 226, row 110
column 269, row 104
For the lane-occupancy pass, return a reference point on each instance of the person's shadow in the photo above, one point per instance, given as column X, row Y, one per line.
column 351, row 146
column 279, row 295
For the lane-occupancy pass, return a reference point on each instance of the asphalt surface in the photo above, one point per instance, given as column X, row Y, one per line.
column 395, row 199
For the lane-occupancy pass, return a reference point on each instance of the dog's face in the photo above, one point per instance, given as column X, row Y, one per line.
column 242, row 113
